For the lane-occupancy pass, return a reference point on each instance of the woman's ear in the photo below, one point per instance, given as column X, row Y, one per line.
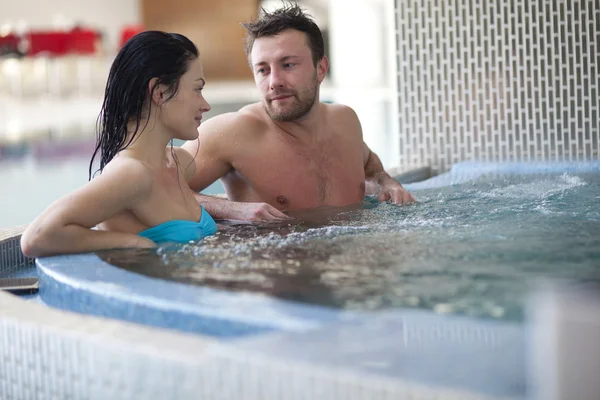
column 156, row 91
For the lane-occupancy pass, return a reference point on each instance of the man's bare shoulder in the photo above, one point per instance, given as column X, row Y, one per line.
column 344, row 116
column 342, row 111
column 221, row 138
column 245, row 121
column 255, row 111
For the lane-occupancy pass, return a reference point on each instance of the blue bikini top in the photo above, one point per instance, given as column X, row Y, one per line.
column 182, row 231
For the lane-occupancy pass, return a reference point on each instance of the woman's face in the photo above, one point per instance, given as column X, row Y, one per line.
column 182, row 114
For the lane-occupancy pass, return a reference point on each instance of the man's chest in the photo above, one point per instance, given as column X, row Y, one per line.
column 295, row 178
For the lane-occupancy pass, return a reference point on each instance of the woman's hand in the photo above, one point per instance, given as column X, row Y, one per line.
column 144, row 243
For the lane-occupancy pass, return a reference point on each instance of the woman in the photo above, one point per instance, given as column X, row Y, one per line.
column 153, row 95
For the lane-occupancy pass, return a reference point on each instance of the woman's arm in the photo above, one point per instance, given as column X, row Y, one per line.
column 65, row 226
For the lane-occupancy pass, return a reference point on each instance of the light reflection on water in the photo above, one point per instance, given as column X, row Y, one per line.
column 475, row 248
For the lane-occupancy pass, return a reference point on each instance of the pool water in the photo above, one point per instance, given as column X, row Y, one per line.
column 475, row 248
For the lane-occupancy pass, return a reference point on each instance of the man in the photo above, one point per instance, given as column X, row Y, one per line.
column 290, row 151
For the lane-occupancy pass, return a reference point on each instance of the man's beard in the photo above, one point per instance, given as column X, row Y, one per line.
column 303, row 103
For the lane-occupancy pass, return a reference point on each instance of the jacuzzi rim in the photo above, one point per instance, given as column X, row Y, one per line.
column 89, row 273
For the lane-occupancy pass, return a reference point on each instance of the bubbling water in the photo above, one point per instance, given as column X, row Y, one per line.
column 475, row 248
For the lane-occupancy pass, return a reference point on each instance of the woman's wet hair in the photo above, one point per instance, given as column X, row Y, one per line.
column 147, row 55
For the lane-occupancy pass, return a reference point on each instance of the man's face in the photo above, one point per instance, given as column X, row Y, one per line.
column 285, row 74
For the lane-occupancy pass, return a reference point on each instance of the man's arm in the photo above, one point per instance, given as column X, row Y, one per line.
column 377, row 181
column 220, row 208
column 211, row 162
column 209, row 152
column 377, row 178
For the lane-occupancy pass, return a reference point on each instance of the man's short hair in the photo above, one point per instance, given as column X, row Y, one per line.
column 289, row 16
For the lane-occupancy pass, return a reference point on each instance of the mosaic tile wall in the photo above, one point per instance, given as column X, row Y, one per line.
column 496, row 80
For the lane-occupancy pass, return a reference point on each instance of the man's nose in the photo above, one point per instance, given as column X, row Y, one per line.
column 276, row 80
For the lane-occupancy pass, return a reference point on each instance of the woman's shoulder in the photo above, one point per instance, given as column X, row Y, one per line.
column 185, row 161
column 125, row 170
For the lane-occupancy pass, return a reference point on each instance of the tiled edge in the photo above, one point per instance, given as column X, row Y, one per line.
column 104, row 299
column 11, row 233
column 11, row 257
column 466, row 171
column 410, row 176
column 105, row 290
column 48, row 353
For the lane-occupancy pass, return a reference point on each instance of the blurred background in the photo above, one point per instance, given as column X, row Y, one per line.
column 55, row 57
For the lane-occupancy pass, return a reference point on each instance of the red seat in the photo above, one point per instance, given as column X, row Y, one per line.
column 83, row 41
column 130, row 31
column 49, row 43
column 9, row 44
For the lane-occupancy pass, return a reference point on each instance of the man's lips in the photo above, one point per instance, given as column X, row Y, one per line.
column 281, row 97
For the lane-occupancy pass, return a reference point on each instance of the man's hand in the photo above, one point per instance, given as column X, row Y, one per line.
column 255, row 212
column 390, row 189
column 379, row 182
column 221, row 208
